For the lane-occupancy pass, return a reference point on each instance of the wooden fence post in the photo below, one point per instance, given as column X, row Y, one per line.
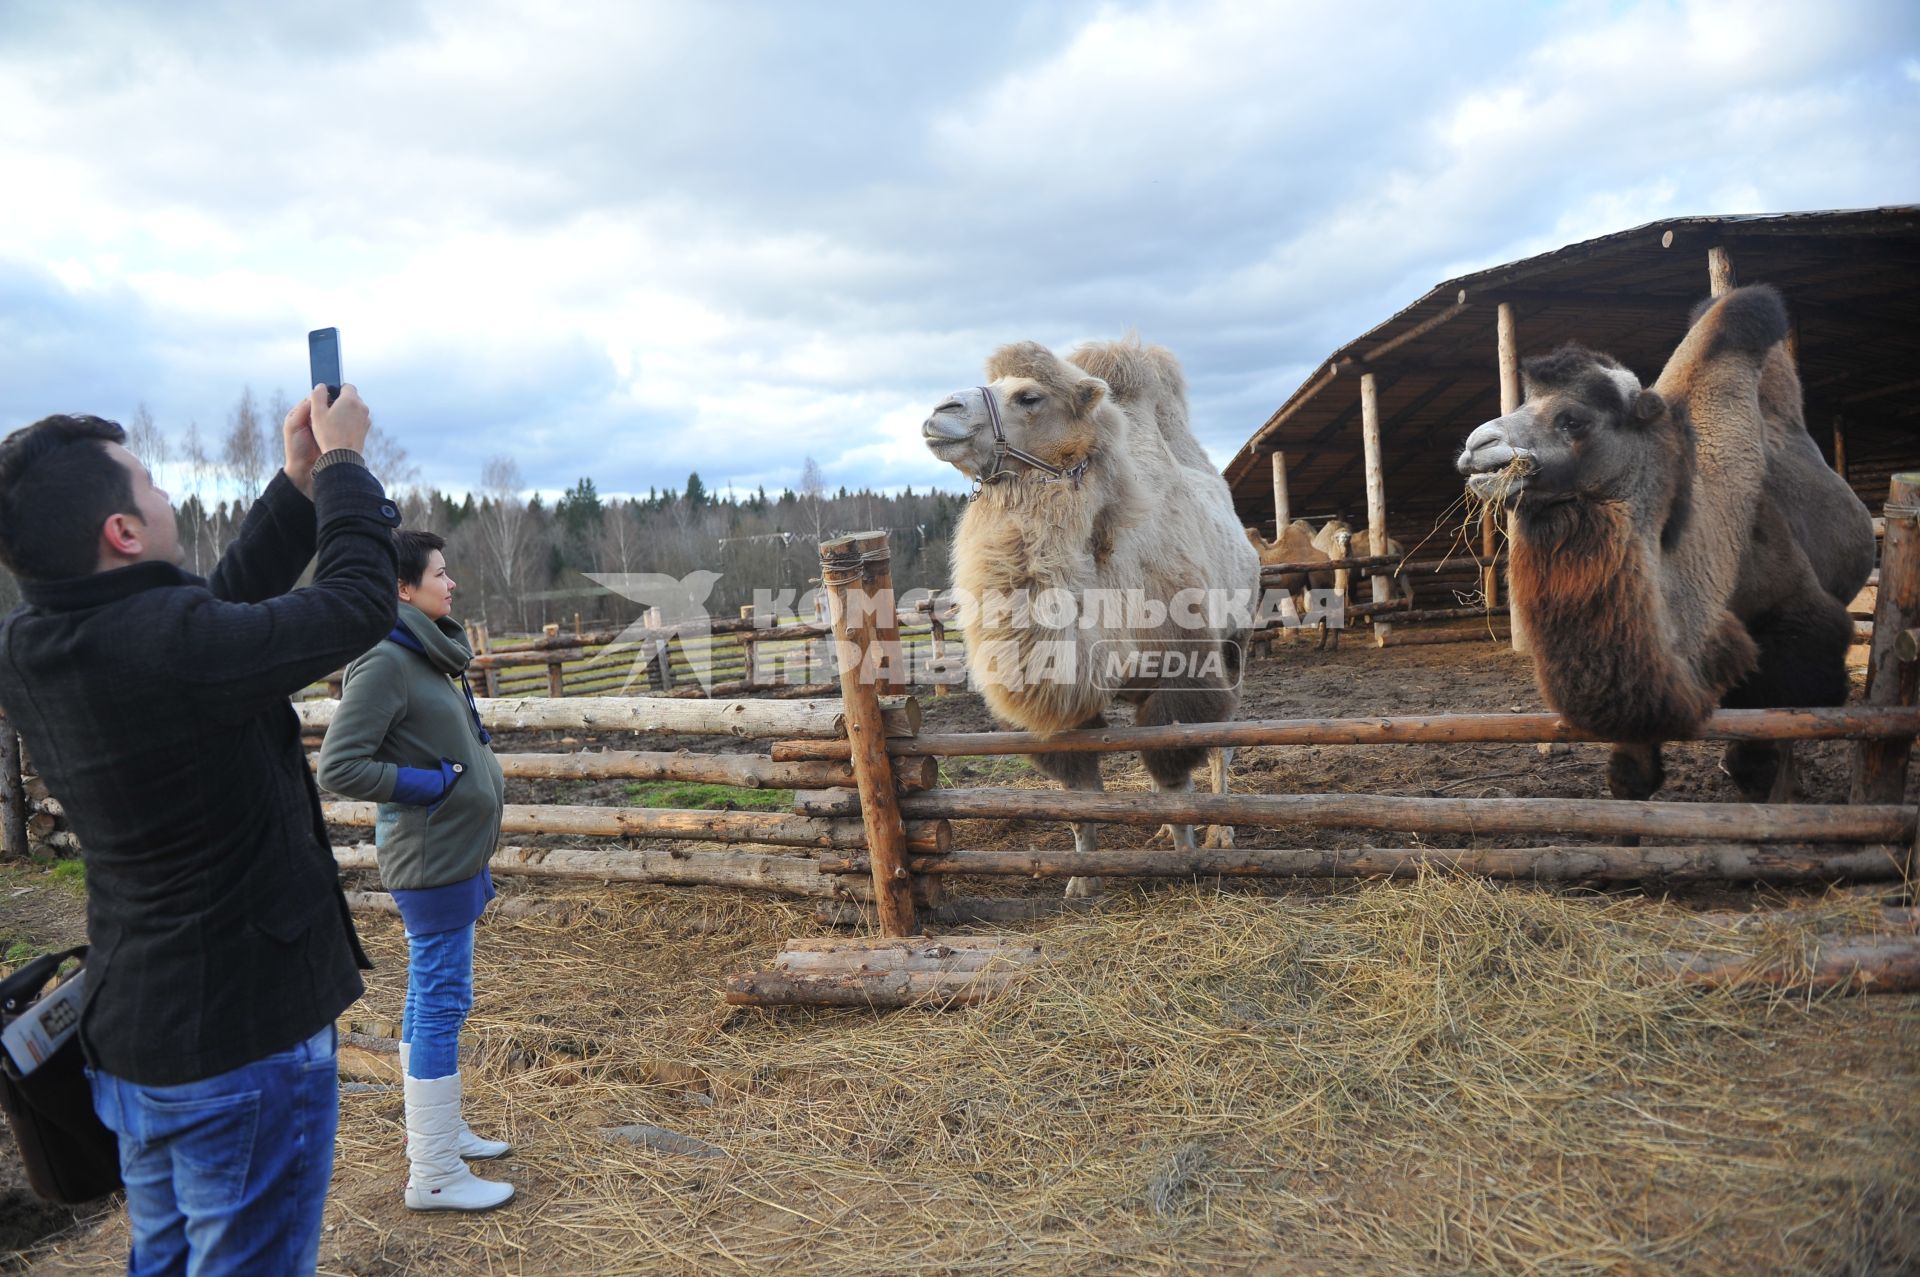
column 13, row 793
column 1880, row 767
column 556, row 678
column 847, row 566
column 489, row 677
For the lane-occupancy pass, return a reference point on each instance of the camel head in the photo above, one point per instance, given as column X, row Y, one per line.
column 1048, row 408
column 1585, row 431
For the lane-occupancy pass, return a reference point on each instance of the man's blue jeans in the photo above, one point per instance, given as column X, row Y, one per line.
column 439, row 996
column 228, row 1174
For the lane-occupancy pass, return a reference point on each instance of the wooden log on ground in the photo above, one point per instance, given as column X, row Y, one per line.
column 1880, row 767
column 886, row 991
column 1498, row 632
column 785, row 875
column 836, row 954
column 1730, row 862
column 745, row 718
column 1875, row 964
column 1849, row 722
column 1553, row 817
column 851, row 569
column 773, row 828
column 956, row 970
column 970, row 911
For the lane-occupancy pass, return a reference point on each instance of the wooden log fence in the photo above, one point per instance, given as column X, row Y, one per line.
column 774, row 829
column 1853, row 722
column 1780, row 863
column 783, row 875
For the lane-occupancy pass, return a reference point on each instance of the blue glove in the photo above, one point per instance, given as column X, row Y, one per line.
column 426, row 786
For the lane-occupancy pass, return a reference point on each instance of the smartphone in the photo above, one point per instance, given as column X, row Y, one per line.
column 323, row 358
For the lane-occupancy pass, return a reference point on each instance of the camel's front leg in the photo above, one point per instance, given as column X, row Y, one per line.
column 1077, row 772
column 1219, row 761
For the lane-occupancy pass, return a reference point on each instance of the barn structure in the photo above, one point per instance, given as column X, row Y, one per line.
column 1372, row 434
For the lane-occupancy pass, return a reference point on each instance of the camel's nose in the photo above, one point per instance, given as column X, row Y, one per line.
column 1486, row 449
column 950, row 422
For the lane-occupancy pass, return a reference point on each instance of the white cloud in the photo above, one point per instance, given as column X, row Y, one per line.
column 634, row 241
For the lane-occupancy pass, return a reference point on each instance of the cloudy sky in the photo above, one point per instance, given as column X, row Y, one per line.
column 632, row 240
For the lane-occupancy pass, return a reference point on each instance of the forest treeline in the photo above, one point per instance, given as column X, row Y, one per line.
column 520, row 561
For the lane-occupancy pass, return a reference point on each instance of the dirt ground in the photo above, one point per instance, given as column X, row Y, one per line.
column 1670, row 1137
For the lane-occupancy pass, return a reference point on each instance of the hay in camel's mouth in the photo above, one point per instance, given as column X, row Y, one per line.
column 1498, row 487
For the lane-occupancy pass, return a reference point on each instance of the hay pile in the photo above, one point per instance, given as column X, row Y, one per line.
column 1432, row 1077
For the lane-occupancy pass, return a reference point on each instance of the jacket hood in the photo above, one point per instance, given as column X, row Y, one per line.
column 442, row 642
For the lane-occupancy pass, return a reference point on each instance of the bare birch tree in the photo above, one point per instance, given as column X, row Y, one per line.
column 502, row 517
column 249, row 455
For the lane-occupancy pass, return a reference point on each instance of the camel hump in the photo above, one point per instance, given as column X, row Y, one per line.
column 1133, row 370
column 1746, row 321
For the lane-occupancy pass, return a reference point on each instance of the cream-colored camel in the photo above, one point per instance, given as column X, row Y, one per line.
column 1360, row 546
column 1098, row 505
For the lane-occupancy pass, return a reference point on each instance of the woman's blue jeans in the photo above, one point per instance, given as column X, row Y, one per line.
column 229, row 1174
column 439, row 995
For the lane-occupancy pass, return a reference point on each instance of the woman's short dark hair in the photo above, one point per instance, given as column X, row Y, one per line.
column 413, row 549
column 57, row 486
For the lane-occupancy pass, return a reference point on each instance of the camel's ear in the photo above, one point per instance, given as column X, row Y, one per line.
column 1648, row 407
column 1087, row 393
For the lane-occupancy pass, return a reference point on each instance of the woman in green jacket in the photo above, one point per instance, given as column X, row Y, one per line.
column 408, row 736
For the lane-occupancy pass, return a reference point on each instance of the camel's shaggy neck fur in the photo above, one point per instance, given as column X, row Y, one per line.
column 1150, row 517
column 1626, row 594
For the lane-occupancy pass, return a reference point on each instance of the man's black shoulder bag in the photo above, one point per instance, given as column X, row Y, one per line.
column 70, row 1156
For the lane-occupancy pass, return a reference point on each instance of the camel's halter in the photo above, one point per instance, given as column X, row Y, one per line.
column 1002, row 450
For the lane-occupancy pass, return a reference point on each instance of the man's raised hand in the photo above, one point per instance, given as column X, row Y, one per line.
column 344, row 423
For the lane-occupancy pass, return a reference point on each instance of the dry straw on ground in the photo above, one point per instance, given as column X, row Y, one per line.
column 1441, row 1076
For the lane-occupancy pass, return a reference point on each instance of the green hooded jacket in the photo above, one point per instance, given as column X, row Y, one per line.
column 401, row 709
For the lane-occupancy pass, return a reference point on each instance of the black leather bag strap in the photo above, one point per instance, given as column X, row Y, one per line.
column 18, row 991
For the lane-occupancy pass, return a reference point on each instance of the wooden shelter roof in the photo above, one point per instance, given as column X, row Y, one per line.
column 1851, row 280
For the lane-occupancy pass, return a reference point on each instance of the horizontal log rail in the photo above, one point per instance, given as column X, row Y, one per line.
column 774, row 829
column 787, row 875
column 1592, row 817
column 745, row 718
column 1735, row 862
column 744, row 771
column 1401, row 565
column 1852, row 722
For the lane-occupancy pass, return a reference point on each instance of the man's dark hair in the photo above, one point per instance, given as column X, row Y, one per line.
column 413, row 549
column 57, row 486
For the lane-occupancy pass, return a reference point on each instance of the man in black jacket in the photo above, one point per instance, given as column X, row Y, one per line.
column 155, row 705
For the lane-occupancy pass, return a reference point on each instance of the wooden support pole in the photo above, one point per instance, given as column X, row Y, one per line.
column 1840, row 445
column 1880, row 767
column 556, row 681
column 1719, row 270
column 13, row 793
column 1526, row 817
column 1507, row 340
column 857, row 637
column 1376, row 488
column 1724, row 862
column 1282, row 506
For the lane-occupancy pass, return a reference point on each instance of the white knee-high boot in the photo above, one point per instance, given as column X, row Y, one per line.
column 437, row 1178
column 472, row 1147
